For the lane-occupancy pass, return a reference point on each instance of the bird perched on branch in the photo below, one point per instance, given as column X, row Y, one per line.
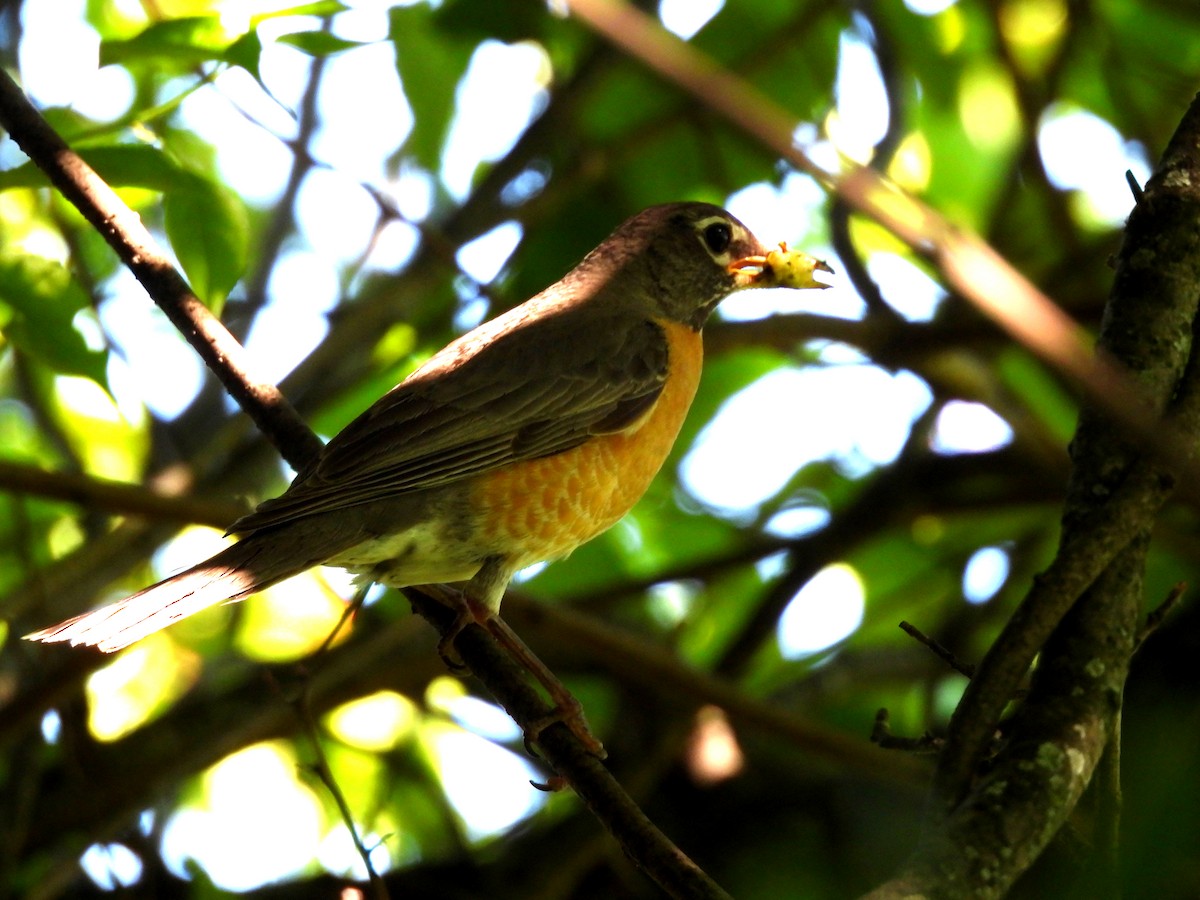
column 515, row 444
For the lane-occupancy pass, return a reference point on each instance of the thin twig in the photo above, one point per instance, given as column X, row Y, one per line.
column 93, row 493
column 1106, row 839
column 881, row 736
column 302, row 706
column 322, row 770
column 1159, row 614
column 938, row 650
column 1134, row 187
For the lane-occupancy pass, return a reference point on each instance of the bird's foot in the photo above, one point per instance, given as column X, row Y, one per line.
column 470, row 611
column 567, row 710
column 467, row 612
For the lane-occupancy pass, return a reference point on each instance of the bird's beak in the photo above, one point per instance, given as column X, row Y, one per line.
column 779, row 268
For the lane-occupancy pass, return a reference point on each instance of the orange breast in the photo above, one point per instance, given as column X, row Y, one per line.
column 545, row 508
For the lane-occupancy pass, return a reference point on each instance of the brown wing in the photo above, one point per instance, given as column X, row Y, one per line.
column 480, row 404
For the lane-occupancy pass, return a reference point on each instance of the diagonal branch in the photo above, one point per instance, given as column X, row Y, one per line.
column 969, row 265
column 133, row 243
column 274, row 416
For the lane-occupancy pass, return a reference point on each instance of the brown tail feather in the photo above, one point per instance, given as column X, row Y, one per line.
column 233, row 574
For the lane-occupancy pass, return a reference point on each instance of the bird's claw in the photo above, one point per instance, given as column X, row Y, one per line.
column 568, row 712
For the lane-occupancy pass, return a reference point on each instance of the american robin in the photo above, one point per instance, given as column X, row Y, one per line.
column 513, row 445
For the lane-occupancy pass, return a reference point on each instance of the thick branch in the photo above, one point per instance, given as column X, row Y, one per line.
column 1083, row 627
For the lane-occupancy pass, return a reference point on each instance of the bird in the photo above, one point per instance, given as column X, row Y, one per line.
column 513, row 445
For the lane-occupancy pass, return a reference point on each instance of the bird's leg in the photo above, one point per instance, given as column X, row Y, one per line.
column 471, row 610
column 567, row 709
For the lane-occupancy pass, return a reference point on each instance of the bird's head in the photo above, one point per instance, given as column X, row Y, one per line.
column 680, row 260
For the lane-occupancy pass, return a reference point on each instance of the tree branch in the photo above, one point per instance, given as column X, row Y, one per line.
column 640, row 838
column 969, row 265
column 125, row 233
column 274, row 416
column 1081, row 615
column 160, row 501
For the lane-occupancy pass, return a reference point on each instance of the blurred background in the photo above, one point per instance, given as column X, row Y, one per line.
column 353, row 184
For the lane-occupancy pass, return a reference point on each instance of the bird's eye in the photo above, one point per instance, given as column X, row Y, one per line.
column 718, row 237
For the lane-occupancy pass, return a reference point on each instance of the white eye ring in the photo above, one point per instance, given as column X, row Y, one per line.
column 717, row 235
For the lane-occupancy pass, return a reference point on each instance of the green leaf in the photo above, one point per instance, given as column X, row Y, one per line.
column 1040, row 391
column 113, row 20
column 192, row 154
column 430, row 66
column 631, row 100
column 319, row 8
column 318, row 43
column 71, row 124
column 183, row 42
column 246, row 52
column 483, row 19
column 206, row 223
column 38, row 303
column 120, row 165
column 209, row 230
